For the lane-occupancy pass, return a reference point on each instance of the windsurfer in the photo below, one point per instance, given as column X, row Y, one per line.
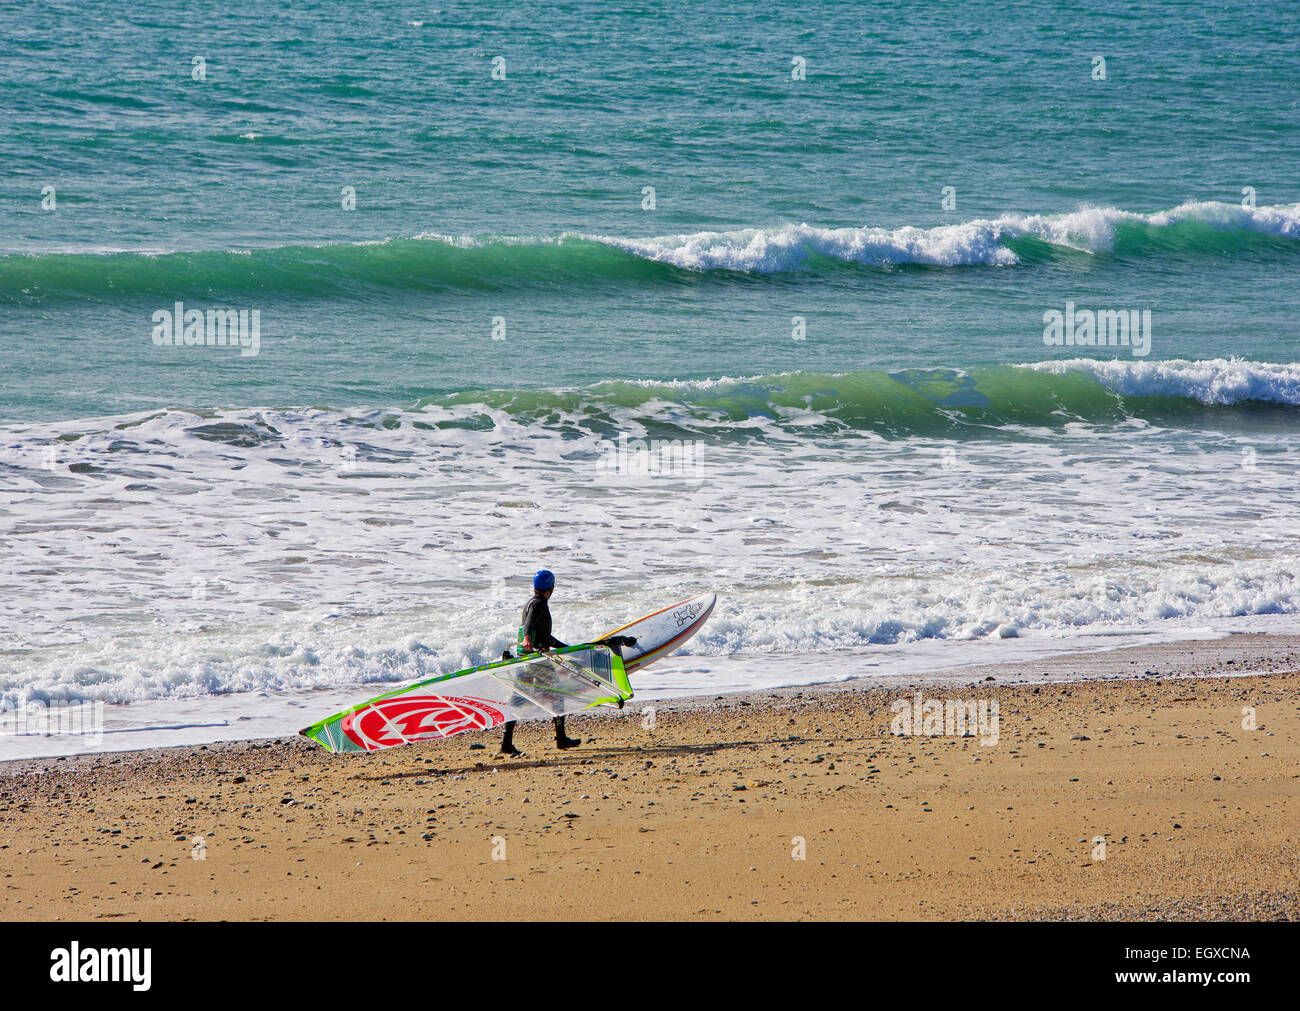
column 535, row 636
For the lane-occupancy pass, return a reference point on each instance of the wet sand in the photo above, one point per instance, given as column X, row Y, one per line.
column 797, row 804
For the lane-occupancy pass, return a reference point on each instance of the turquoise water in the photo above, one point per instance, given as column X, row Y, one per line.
column 837, row 290
column 599, row 101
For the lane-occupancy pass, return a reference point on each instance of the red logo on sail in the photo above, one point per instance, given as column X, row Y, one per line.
column 417, row 718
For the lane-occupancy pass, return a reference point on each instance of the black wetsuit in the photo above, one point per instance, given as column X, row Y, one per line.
column 536, row 628
column 537, row 624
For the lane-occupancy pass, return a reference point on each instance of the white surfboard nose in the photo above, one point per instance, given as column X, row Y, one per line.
column 665, row 631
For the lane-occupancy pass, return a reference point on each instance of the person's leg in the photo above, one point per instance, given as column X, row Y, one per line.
column 508, row 741
column 562, row 741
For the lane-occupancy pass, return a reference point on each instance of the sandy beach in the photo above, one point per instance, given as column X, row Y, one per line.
column 1141, row 792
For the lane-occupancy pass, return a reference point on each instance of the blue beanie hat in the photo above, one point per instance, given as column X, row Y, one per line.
column 544, row 580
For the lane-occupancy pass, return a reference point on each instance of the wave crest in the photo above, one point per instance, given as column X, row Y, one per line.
column 1218, row 381
column 435, row 262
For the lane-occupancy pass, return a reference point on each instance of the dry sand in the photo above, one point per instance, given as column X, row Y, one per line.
column 701, row 816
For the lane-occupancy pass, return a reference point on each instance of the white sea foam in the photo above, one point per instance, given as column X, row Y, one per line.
column 976, row 242
column 767, row 251
column 337, row 552
column 1212, row 381
column 1278, row 219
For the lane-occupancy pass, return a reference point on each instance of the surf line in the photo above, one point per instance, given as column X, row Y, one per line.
column 217, row 328
column 1129, row 328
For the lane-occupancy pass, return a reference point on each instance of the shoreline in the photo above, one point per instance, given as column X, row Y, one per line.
column 702, row 816
column 1225, row 654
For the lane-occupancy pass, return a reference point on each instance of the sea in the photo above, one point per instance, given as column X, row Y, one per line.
column 923, row 334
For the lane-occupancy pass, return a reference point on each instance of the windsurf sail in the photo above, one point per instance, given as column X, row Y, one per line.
column 532, row 687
